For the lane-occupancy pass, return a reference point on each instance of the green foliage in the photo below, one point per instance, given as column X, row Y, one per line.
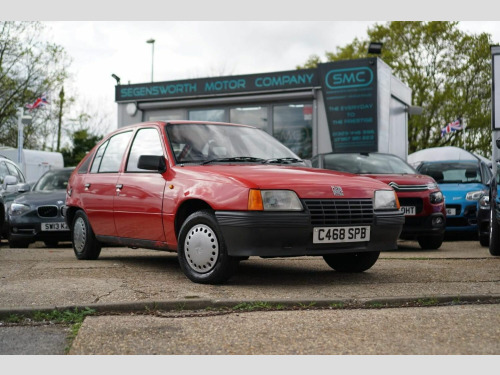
column 83, row 141
column 449, row 72
column 29, row 67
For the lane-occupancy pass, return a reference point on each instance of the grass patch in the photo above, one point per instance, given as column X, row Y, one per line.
column 245, row 306
column 428, row 302
column 73, row 318
column 376, row 305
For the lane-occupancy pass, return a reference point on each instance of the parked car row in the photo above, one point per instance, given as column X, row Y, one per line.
column 217, row 193
column 30, row 214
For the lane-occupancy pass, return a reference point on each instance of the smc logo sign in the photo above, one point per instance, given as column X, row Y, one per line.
column 349, row 78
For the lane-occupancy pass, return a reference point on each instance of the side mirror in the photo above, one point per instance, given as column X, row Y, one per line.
column 23, row 188
column 10, row 180
column 152, row 163
column 498, row 142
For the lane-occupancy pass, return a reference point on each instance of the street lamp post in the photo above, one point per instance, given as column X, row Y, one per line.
column 152, row 42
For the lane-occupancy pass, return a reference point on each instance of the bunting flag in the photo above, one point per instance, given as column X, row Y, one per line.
column 40, row 102
column 451, row 127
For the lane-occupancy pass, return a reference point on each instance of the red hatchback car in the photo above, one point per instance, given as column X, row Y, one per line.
column 420, row 198
column 218, row 193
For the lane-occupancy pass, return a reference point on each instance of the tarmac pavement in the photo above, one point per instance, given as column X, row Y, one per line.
column 185, row 318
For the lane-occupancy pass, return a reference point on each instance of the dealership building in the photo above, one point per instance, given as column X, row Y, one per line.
column 352, row 105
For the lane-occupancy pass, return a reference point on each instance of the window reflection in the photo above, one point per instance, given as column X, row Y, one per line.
column 293, row 127
column 207, row 115
column 255, row 116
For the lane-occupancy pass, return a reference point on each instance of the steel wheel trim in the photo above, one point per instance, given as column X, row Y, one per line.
column 201, row 248
column 79, row 234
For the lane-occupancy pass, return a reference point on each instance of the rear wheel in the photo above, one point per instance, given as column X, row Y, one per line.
column 202, row 251
column 494, row 233
column 430, row 242
column 352, row 262
column 85, row 245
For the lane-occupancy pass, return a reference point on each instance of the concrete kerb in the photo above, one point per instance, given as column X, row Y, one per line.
column 185, row 305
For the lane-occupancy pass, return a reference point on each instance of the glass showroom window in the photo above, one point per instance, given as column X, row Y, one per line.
column 167, row 115
column 292, row 126
column 255, row 116
column 208, row 115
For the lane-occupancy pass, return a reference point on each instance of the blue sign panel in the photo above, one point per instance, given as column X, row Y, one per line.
column 350, row 95
column 289, row 80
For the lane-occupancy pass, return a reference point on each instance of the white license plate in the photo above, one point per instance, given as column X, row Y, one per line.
column 54, row 226
column 451, row 211
column 341, row 234
column 408, row 210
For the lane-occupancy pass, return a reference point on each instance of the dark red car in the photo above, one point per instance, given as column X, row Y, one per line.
column 420, row 198
column 218, row 193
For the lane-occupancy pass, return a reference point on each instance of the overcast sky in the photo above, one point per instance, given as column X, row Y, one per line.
column 200, row 47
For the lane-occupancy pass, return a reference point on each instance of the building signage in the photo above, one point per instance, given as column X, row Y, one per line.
column 350, row 95
column 289, row 80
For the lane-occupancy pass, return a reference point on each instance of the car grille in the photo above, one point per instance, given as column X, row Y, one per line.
column 48, row 211
column 340, row 211
column 417, row 202
column 397, row 187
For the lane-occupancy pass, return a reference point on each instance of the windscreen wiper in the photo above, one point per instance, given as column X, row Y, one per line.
column 248, row 159
column 283, row 161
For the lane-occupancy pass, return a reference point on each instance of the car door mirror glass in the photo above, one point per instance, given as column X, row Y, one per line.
column 152, row 163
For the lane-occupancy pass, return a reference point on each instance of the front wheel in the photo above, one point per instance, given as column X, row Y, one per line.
column 85, row 245
column 430, row 242
column 202, row 251
column 352, row 262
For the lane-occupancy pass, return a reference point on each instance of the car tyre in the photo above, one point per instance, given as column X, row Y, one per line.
column 484, row 239
column 202, row 251
column 430, row 242
column 494, row 234
column 18, row 244
column 352, row 262
column 85, row 245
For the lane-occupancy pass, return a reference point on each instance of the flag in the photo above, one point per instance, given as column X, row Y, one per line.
column 40, row 102
column 452, row 127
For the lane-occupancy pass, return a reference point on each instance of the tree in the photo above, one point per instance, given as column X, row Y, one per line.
column 83, row 141
column 84, row 131
column 449, row 72
column 29, row 67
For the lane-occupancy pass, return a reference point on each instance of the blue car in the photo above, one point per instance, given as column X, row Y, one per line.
column 463, row 183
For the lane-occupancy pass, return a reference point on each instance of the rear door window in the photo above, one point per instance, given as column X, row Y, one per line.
column 109, row 156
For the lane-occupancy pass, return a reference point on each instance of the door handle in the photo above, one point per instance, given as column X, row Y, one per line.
column 87, row 186
column 119, row 187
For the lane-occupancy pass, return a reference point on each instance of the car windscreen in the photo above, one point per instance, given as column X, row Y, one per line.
column 452, row 172
column 205, row 143
column 53, row 180
column 367, row 164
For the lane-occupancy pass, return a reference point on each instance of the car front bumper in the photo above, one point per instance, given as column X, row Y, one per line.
column 284, row 234
column 432, row 225
column 27, row 230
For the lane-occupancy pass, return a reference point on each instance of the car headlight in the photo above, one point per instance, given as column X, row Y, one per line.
column 474, row 195
column 385, row 200
column 17, row 209
column 273, row 200
column 432, row 186
column 436, row 197
column 484, row 202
